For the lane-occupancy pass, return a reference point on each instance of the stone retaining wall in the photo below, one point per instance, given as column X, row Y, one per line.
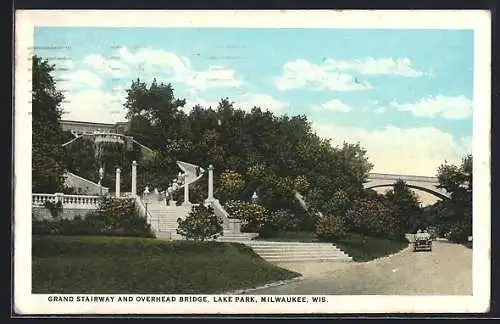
column 42, row 213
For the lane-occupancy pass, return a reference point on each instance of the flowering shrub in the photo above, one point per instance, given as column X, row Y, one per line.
column 252, row 216
column 374, row 217
column 301, row 184
column 200, row 224
column 232, row 183
column 330, row 228
column 283, row 220
column 258, row 171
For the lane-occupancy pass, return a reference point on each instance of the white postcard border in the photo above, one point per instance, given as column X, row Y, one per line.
column 479, row 21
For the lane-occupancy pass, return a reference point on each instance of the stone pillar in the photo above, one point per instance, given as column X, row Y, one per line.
column 186, row 193
column 210, row 183
column 134, row 178
column 117, row 183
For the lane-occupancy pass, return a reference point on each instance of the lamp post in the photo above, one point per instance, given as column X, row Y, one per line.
column 255, row 198
column 170, row 192
column 101, row 175
column 180, row 178
column 145, row 198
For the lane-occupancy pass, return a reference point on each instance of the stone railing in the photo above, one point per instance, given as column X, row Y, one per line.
column 231, row 224
column 303, row 203
column 68, row 201
column 86, row 186
column 140, row 208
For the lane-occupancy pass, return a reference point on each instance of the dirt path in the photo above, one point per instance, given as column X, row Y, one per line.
column 447, row 270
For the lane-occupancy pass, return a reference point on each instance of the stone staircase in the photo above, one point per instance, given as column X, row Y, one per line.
column 164, row 223
column 164, row 219
column 297, row 251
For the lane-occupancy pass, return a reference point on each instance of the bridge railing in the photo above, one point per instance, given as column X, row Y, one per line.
column 395, row 177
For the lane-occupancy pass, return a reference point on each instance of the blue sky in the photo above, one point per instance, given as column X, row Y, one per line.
column 405, row 95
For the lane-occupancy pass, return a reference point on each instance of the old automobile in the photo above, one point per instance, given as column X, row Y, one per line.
column 423, row 241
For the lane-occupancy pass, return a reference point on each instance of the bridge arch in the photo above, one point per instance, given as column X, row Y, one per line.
column 430, row 191
column 424, row 184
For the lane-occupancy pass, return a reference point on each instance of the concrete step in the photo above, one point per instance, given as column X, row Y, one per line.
column 309, row 258
column 299, row 253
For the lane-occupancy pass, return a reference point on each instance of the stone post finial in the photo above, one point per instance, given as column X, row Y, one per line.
column 134, row 178
column 117, row 183
column 210, row 183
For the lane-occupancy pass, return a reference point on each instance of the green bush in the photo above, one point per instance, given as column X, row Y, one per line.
column 200, row 224
column 375, row 217
column 55, row 208
column 253, row 216
column 284, row 220
column 330, row 228
column 459, row 232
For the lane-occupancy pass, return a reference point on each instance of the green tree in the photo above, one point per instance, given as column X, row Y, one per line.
column 47, row 137
column 455, row 214
column 407, row 207
column 155, row 114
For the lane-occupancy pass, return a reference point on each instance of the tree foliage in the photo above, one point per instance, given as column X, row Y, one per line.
column 47, row 136
column 331, row 228
column 454, row 216
column 374, row 217
column 407, row 206
column 274, row 155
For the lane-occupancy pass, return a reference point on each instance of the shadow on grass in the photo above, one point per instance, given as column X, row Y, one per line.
column 112, row 265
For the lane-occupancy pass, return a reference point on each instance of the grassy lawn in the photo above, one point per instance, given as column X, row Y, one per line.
column 364, row 248
column 361, row 248
column 111, row 265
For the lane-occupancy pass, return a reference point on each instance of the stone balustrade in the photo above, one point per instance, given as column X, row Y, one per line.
column 68, row 201
column 107, row 138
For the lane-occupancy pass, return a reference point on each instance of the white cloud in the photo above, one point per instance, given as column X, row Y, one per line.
column 191, row 102
column 304, row 74
column 79, row 79
column 414, row 151
column 94, row 105
column 448, row 107
column 373, row 105
column 147, row 63
column 266, row 102
column 372, row 66
column 114, row 68
column 215, row 76
column 333, row 105
column 246, row 102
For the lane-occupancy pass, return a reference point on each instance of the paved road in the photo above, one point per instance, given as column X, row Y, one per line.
column 447, row 270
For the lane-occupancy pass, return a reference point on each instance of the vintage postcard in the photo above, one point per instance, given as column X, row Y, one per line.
column 252, row 162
